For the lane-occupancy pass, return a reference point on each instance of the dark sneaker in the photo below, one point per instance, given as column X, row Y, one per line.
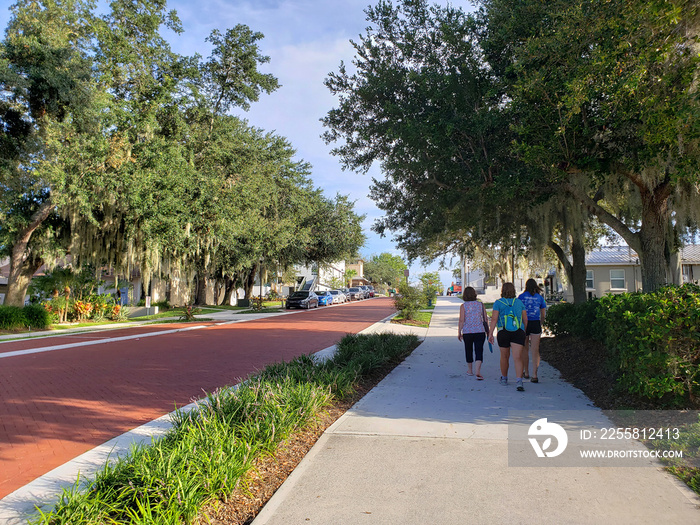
column 520, row 387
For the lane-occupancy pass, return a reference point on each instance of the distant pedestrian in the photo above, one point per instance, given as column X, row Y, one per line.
column 510, row 317
column 472, row 330
column 536, row 307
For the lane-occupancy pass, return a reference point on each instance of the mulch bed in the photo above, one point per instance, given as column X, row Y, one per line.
column 583, row 363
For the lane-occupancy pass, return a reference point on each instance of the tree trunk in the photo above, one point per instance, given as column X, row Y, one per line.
column 23, row 264
column 19, row 279
column 200, row 297
column 654, row 239
column 250, row 281
column 229, row 287
column 576, row 271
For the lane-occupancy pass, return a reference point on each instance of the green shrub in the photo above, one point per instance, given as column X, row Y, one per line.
column 102, row 305
column 36, row 317
column 17, row 318
column 409, row 301
column 652, row 339
column 11, row 318
column 559, row 318
column 579, row 320
column 655, row 342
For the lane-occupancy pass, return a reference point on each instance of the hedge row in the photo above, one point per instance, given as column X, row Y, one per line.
column 16, row 318
column 653, row 339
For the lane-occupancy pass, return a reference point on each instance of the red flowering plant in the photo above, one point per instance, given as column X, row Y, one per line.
column 52, row 311
column 82, row 309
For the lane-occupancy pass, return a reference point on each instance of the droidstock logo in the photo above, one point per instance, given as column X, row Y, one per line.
column 542, row 428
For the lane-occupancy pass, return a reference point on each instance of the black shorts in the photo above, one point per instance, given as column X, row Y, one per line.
column 506, row 338
column 533, row 328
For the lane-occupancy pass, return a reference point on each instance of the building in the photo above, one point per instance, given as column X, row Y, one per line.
column 358, row 267
column 616, row 269
column 690, row 264
column 324, row 277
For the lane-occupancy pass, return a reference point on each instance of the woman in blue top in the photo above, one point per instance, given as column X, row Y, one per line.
column 536, row 307
column 509, row 314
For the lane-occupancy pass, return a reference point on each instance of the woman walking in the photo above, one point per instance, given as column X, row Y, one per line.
column 472, row 330
column 536, row 308
column 510, row 317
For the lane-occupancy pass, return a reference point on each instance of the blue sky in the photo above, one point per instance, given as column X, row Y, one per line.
column 305, row 40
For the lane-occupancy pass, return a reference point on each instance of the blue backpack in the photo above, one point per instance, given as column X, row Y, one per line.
column 511, row 322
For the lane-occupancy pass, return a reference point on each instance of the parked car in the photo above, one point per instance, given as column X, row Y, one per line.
column 338, row 296
column 324, row 298
column 302, row 299
column 365, row 290
column 346, row 292
column 356, row 294
column 371, row 290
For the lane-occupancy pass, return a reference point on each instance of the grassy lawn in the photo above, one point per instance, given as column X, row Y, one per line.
column 266, row 310
column 267, row 304
column 421, row 319
column 687, row 468
column 86, row 324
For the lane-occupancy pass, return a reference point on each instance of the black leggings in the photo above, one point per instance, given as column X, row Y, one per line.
column 475, row 341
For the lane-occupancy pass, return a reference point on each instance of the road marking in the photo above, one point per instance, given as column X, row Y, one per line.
column 28, row 351
column 94, row 342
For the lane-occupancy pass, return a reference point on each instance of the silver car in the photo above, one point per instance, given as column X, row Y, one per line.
column 356, row 294
column 338, row 296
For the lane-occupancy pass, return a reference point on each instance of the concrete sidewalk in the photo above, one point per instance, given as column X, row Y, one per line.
column 430, row 445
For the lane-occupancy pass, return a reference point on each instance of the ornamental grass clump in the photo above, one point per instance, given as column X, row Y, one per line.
column 210, row 449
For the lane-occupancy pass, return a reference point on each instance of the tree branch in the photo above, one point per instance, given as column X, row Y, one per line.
column 559, row 252
column 605, row 216
column 35, row 221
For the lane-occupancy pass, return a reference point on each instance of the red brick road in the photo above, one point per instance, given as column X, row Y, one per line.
column 57, row 405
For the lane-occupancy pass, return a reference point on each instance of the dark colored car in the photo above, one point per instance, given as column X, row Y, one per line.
column 324, row 298
column 302, row 299
column 356, row 294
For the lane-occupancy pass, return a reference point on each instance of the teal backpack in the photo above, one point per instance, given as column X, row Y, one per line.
column 511, row 322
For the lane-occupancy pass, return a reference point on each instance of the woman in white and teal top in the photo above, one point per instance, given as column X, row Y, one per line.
column 510, row 317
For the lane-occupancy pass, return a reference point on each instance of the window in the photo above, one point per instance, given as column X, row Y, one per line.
column 589, row 279
column 617, row 279
column 687, row 273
